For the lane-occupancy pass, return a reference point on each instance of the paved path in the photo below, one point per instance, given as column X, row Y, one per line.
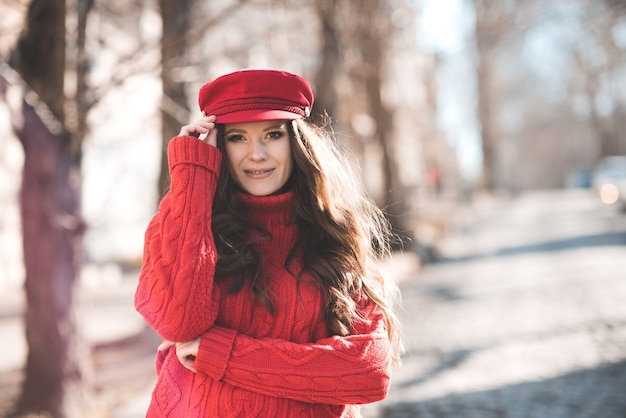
column 525, row 318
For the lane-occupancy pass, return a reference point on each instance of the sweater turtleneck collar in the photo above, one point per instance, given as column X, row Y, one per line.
column 269, row 210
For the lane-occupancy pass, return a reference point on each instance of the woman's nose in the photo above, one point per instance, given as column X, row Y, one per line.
column 257, row 150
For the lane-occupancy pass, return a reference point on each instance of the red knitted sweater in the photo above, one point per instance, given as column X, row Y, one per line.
column 250, row 363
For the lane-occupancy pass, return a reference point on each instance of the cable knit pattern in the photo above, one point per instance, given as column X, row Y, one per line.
column 250, row 363
column 175, row 285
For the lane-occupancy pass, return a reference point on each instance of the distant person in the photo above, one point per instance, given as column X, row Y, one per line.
column 260, row 268
column 435, row 178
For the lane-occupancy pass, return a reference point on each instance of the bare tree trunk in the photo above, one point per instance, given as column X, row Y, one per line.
column 51, row 228
column 495, row 21
column 485, row 116
column 601, row 22
column 178, row 35
column 485, row 38
column 325, row 91
column 56, row 365
column 176, row 26
column 370, row 33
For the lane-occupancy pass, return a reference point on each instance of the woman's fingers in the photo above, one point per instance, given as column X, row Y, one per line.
column 189, row 362
column 211, row 138
column 187, row 352
column 165, row 345
column 200, row 127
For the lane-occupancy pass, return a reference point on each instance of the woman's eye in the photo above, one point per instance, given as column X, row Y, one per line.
column 234, row 138
column 275, row 134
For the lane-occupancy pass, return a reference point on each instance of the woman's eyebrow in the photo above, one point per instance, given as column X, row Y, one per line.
column 280, row 126
column 237, row 130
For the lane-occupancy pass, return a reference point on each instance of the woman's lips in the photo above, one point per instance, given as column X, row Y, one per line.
column 259, row 174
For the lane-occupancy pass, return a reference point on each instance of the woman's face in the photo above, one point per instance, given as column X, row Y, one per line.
column 259, row 155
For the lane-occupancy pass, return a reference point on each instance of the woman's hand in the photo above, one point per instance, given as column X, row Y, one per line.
column 186, row 352
column 204, row 129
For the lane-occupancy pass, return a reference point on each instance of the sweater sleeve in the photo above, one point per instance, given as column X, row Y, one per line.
column 338, row 370
column 174, row 293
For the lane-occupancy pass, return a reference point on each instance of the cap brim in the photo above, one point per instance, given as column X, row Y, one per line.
column 256, row 115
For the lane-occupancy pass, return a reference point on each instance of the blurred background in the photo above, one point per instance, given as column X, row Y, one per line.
column 493, row 133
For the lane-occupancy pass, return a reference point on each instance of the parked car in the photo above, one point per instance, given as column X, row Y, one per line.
column 609, row 180
column 580, row 178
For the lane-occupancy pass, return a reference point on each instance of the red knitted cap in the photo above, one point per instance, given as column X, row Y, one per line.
column 255, row 95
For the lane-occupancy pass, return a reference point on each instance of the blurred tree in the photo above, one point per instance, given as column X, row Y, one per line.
column 366, row 36
column 176, row 17
column 328, row 70
column 50, row 128
column 491, row 24
column 598, row 62
column 505, row 89
column 549, row 88
column 180, row 33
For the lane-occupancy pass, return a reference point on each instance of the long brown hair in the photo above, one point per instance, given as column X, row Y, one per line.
column 346, row 235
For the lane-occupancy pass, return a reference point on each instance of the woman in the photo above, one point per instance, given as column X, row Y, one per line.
column 260, row 267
